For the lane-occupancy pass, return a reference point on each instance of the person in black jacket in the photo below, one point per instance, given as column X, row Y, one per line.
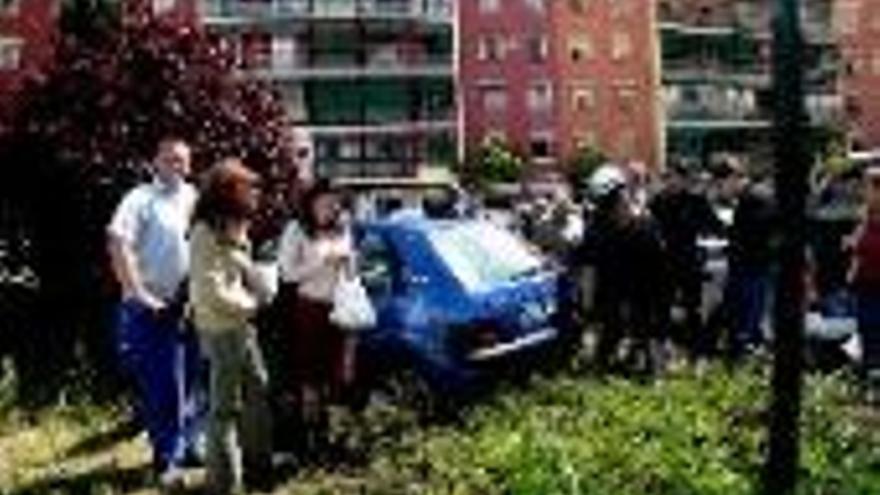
column 750, row 258
column 627, row 252
column 683, row 215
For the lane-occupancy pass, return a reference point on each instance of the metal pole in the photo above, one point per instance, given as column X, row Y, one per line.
column 792, row 157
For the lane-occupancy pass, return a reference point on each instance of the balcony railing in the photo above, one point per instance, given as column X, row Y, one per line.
column 698, row 71
column 715, row 115
column 822, row 109
column 234, row 11
column 346, row 67
column 825, row 108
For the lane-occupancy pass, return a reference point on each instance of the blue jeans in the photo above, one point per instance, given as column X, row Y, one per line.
column 164, row 364
column 868, row 317
column 746, row 301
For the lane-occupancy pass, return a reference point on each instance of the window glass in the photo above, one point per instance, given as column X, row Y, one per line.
column 471, row 251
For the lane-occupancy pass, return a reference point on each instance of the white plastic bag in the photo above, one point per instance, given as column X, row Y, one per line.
column 352, row 308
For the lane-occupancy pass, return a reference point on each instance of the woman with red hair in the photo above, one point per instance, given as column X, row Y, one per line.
column 226, row 290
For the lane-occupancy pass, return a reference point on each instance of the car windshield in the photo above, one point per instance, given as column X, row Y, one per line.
column 481, row 255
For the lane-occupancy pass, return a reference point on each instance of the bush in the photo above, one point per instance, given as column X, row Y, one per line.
column 496, row 162
column 83, row 133
column 582, row 165
column 690, row 434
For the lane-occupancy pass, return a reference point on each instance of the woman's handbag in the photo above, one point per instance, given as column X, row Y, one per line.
column 352, row 308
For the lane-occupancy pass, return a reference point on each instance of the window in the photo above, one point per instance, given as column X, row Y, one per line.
column 540, row 96
column 491, row 48
column 283, row 53
column 627, row 97
column 583, row 97
column 9, row 7
column 495, row 136
column 538, row 48
column 494, row 98
column 626, row 144
column 541, row 147
column 578, row 6
column 256, row 50
column 349, row 150
column 487, row 6
column 621, row 45
column 470, row 250
column 579, row 48
column 161, row 6
column 537, row 5
column 620, row 8
column 10, row 53
column 377, row 265
column 848, row 17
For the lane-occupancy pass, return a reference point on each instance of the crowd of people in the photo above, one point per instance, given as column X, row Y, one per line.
column 641, row 244
column 640, row 247
column 191, row 290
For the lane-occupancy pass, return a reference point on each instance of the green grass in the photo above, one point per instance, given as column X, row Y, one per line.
column 690, row 433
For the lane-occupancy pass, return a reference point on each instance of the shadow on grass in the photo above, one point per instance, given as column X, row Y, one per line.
column 122, row 431
column 106, row 479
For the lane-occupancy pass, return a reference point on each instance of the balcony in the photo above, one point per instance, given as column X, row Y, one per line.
column 439, row 126
column 344, row 67
column 746, row 17
column 715, row 116
column 246, row 12
column 699, row 71
column 825, row 109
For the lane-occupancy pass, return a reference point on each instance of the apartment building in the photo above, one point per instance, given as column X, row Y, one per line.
column 372, row 80
column 26, row 29
column 858, row 29
column 551, row 76
column 717, row 76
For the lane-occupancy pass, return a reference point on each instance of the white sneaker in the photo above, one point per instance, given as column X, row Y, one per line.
column 172, row 480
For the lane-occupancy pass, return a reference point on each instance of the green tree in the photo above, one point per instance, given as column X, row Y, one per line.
column 582, row 164
column 497, row 163
column 84, row 132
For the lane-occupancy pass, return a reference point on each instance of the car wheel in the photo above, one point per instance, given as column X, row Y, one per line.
column 410, row 390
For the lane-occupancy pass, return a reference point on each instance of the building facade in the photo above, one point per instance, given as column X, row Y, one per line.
column 26, row 31
column 858, row 28
column 549, row 77
column 609, row 82
column 373, row 81
column 717, row 76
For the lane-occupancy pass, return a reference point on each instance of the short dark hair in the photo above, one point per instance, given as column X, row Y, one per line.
column 167, row 139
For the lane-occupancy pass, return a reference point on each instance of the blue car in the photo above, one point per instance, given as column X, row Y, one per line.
column 453, row 298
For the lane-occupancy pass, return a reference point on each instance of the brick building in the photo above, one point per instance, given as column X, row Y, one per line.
column 858, row 28
column 550, row 76
column 608, row 64
column 26, row 30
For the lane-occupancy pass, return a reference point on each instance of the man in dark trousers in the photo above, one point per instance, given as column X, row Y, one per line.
column 627, row 253
column 750, row 257
column 683, row 215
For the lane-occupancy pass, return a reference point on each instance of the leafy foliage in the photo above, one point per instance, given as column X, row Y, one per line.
column 84, row 132
column 687, row 434
column 496, row 163
column 583, row 163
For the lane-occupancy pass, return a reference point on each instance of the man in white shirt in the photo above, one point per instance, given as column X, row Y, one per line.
column 147, row 241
